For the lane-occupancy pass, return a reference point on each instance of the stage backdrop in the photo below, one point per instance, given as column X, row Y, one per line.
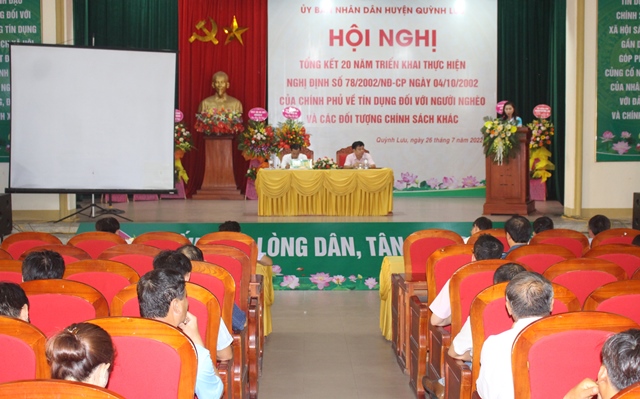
column 412, row 81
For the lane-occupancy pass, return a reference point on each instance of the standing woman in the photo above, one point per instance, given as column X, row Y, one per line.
column 509, row 114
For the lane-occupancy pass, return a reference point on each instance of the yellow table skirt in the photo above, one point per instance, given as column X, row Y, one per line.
column 337, row 192
column 390, row 265
column 267, row 281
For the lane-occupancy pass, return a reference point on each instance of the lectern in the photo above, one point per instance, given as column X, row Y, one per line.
column 219, row 182
column 508, row 184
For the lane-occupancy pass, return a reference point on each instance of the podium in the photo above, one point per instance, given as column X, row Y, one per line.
column 219, row 182
column 508, row 184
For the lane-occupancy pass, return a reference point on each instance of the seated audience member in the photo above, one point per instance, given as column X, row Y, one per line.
column 481, row 223
column 162, row 296
column 358, row 157
column 486, row 247
column 462, row 345
column 541, row 224
column 620, row 368
column 42, row 265
column 174, row 260
column 239, row 318
column 295, row 154
column 597, row 225
column 636, row 241
column 13, row 301
column 529, row 297
column 518, row 230
column 111, row 225
column 81, row 352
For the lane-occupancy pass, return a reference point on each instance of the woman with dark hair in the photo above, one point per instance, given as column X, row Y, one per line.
column 81, row 352
column 509, row 114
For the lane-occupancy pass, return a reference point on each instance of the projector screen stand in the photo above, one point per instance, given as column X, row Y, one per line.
column 103, row 211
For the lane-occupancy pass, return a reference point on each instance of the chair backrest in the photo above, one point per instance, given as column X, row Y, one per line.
column 69, row 253
column 237, row 264
column 619, row 297
column 219, row 282
column 107, row 276
column 341, row 154
column 571, row 342
column 583, row 275
column 418, row 246
column 47, row 389
column 573, row 240
column 95, row 242
column 5, row 255
column 625, row 256
column 442, row 263
column 303, row 150
column 538, row 257
column 55, row 304
column 154, row 359
column 138, row 256
column 489, row 316
column 17, row 243
column 630, row 392
column 162, row 240
column 11, row 270
column 614, row 236
column 205, row 306
column 125, row 302
column 23, row 355
column 233, row 239
column 500, row 234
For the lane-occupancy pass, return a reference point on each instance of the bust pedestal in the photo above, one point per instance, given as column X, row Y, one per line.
column 219, row 182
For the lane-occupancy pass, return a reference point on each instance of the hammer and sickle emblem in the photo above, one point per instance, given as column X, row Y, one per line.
column 208, row 35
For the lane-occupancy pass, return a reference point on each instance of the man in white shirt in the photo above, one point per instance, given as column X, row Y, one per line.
column 295, row 154
column 529, row 297
column 359, row 158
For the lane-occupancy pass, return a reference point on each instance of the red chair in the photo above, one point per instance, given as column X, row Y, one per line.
column 11, row 271
column 539, row 257
column 625, row 256
column 219, row 282
column 138, row 256
column 162, row 240
column 583, row 275
column 571, row 342
column 420, row 245
column 154, row 359
column 95, row 242
column 5, row 255
column 107, row 276
column 48, row 389
column 341, row 155
column 630, row 392
column 17, row 243
column 619, row 297
column 55, row 304
column 233, row 239
column 573, row 240
column 614, row 236
column 69, row 253
column 500, row 234
column 23, row 341
column 489, row 317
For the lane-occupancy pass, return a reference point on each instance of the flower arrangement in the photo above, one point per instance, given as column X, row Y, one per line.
column 219, row 122
column 499, row 139
column 325, row 163
column 252, row 173
column 258, row 141
column 292, row 132
column 539, row 163
column 182, row 138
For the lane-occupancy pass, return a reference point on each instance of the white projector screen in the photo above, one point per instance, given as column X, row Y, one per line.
column 91, row 120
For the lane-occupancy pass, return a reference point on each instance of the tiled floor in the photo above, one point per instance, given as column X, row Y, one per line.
column 329, row 345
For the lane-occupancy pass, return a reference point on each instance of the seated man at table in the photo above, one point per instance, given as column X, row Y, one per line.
column 359, row 158
column 295, row 154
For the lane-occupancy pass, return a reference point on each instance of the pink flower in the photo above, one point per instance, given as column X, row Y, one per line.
column 353, row 278
column 338, row 279
column 322, row 280
column 408, row 177
column 469, row 181
column 625, row 135
column 290, row 281
column 621, row 147
column 433, row 183
column 607, row 136
column 399, row 185
column 276, row 269
column 370, row 282
column 449, row 182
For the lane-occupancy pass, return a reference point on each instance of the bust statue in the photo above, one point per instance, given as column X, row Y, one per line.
column 220, row 83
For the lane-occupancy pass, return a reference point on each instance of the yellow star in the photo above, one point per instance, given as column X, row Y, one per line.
column 233, row 32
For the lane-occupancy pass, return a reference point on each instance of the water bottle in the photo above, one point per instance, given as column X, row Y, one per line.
column 366, row 164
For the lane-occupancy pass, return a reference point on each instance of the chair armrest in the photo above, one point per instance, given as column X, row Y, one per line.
column 254, row 331
column 418, row 342
column 457, row 374
column 439, row 342
column 224, row 368
column 256, row 285
column 239, row 369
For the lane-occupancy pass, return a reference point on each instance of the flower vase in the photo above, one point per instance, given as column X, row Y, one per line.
column 537, row 190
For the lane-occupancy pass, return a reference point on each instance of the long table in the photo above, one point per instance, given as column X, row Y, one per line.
column 336, row 192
